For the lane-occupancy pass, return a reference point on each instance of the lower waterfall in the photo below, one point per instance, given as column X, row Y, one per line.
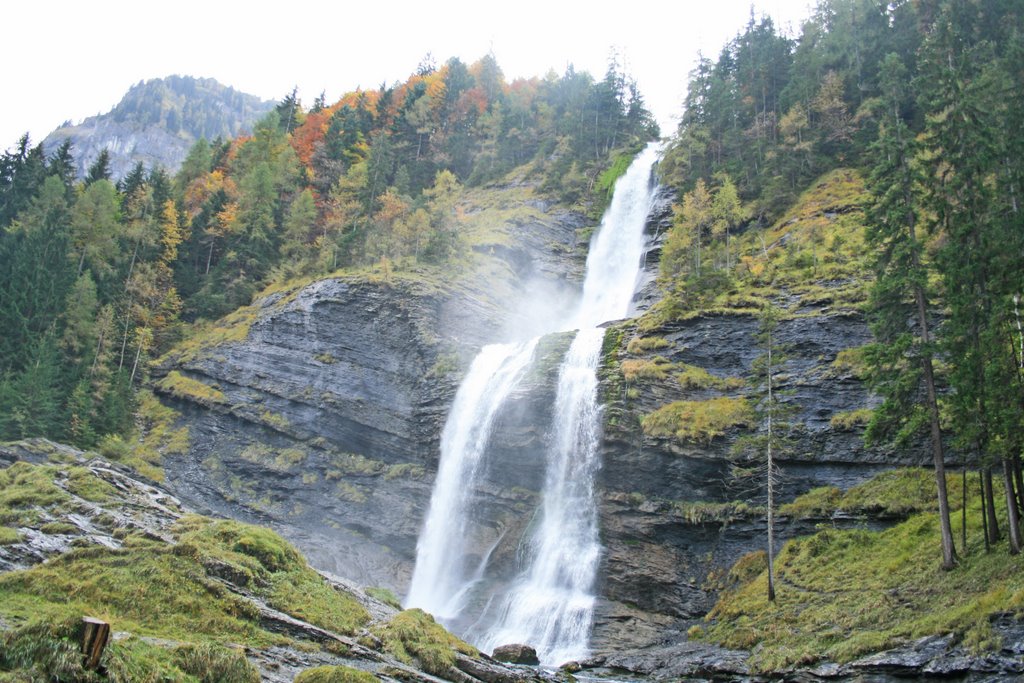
column 550, row 604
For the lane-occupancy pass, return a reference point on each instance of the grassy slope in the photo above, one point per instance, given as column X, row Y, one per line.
column 174, row 591
column 842, row 594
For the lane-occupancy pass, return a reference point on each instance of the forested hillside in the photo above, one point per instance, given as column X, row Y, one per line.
column 100, row 277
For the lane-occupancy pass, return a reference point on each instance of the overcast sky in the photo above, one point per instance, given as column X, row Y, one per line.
column 69, row 59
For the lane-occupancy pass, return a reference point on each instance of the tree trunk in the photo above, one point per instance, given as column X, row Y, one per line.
column 990, row 505
column 124, row 341
column 963, row 509
column 1019, row 479
column 771, row 482
column 94, row 639
column 984, row 512
column 938, row 458
column 135, row 365
column 1013, row 519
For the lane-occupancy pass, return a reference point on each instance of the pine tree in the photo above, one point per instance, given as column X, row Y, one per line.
column 35, row 274
column 902, row 357
column 772, row 413
column 100, row 168
column 963, row 98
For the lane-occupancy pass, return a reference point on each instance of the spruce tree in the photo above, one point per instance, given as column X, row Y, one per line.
column 899, row 268
column 773, row 412
column 964, row 96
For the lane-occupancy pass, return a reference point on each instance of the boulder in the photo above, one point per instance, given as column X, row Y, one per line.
column 516, row 654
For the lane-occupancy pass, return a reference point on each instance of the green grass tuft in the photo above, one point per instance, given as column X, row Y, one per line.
column 385, row 595
column 414, row 635
column 9, row 535
column 698, row 421
column 334, row 674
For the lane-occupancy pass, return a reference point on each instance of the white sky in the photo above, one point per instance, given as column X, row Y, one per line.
column 69, row 59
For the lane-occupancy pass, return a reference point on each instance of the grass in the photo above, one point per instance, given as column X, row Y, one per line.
column 816, row 253
column 84, row 484
column 404, row 470
column 385, row 595
column 698, row 421
column 849, row 362
column 894, row 493
column 639, row 345
column 41, row 651
column 25, row 488
column 414, row 637
column 334, row 674
column 156, row 438
column 278, row 460
column 845, row 593
column 9, row 535
column 181, row 386
column 634, row 369
column 693, row 377
column 206, row 336
column 165, row 590
column 700, row 512
column 851, row 420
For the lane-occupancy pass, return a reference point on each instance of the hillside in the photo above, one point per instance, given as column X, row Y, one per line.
column 190, row 597
column 157, row 122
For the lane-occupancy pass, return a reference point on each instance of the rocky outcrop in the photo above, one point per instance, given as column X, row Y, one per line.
column 931, row 658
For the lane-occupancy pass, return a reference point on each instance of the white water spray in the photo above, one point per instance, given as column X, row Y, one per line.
column 550, row 605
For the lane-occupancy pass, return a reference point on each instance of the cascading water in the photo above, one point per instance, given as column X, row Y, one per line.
column 442, row 578
column 550, row 604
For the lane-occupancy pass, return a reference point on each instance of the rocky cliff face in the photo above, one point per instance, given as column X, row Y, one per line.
column 157, row 122
column 318, row 411
column 673, row 516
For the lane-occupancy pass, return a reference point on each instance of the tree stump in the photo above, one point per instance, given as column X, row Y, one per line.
column 95, row 634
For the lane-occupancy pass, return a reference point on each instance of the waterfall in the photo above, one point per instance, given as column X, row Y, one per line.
column 441, row 579
column 550, row 604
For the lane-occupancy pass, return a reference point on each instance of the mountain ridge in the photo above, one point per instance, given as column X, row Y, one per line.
column 156, row 123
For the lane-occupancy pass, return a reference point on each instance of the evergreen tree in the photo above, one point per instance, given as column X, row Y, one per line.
column 962, row 96
column 62, row 165
column 772, row 413
column 22, row 172
column 100, row 168
column 900, row 270
column 35, row 275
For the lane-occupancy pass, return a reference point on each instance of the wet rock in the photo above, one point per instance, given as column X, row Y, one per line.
column 684, row 660
column 943, row 656
column 516, row 654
